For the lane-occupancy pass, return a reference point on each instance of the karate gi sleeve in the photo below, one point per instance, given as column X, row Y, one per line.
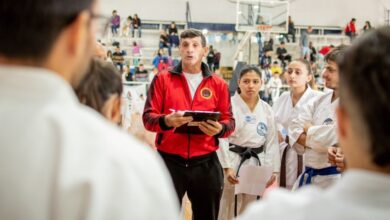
column 297, row 125
column 320, row 137
column 224, row 154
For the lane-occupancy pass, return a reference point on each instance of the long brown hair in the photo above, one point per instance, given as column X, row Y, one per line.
column 101, row 82
column 307, row 64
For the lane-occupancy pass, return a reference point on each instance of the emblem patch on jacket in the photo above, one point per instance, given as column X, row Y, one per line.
column 262, row 129
column 206, row 93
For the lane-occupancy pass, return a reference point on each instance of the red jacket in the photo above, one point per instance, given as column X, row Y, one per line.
column 169, row 90
column 350, row 28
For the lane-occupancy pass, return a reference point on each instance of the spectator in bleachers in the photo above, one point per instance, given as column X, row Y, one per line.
column 210, row 58
column 163, row 64
column 164, row 42
column 126, row 74
column 109, row 56
column 136, row 25
column 159, row 56
column 325, row 49
column 173, row 35
column 313, row 53
column 141, row 74
column 217, row 59
column 367, row 26
column 282, row 54
column 118, row 58
column 127, row 26
column 304, row 43
column 350, row 29
column 115, row 23
column 275, row 83
column 291, row 30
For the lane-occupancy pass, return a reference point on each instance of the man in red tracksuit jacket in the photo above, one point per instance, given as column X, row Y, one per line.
column 190, row 157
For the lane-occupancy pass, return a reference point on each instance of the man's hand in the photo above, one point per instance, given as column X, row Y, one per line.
column 332, row 155
column 210, row 127
column 231, row 177
column 336, row 158
column 176, row 119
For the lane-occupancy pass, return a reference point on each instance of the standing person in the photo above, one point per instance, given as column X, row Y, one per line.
column 115, row 23
column 210, row 58
column 304, row 43
column 60, row 159
column 217, row 59
column 255, row 133
column 274, row 83
column 136, row 25
column 350, row 29
column 299, row 77
column 290, row 31
column 191, row 158
column 364, row 190
column 313, row 131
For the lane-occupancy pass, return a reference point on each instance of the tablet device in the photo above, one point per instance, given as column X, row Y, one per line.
column 198, row 116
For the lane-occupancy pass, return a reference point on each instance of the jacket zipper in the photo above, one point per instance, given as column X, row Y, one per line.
column 192, row 103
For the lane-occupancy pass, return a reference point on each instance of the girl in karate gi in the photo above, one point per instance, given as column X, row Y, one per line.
column 255, row 132
column 300, row 79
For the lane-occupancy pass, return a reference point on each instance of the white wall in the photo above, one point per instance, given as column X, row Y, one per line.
column 303, row 12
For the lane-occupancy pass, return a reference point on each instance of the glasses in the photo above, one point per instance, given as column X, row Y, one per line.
column 102, row 25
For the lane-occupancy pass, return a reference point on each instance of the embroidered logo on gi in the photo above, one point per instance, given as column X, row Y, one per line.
column 206, row 93
column 250, row 119
column 262, row 129
column 328, row 121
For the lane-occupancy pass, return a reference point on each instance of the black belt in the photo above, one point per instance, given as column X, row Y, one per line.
column 245, row 154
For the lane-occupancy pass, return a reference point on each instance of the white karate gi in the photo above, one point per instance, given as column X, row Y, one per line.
column 358, row 195
column 285, row 112
column 321, row 135
column 62, row 160
column 253, row 129
column 274, row 85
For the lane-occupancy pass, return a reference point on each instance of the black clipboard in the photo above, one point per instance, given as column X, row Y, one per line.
column 198, row 116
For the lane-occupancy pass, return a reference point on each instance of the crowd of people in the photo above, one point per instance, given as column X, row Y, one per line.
column 64, row 156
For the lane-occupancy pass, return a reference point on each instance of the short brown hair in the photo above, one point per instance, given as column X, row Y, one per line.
column 101, row 82
column 192, row 33
column 336, row 53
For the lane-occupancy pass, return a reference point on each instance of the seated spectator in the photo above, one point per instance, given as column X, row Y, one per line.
column 127, row 26
column 141, row 74
column 109, row 56
column 164, row 42
column 126, row 74
column 115, row 23
column 367, row 26
column 158, row 57
column 325, row 50
column 136, row 25
column 103, row 97
column 162, row 65
column 282, row 54
column 118, row 58
column 173, row 35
